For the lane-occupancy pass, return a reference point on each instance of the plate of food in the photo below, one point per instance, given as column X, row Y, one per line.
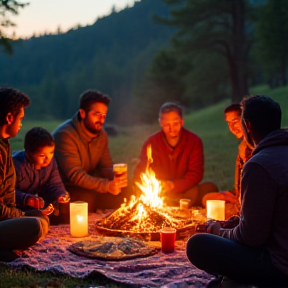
column 113, row 248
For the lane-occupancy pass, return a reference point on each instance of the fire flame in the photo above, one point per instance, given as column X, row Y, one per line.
column 147, row 213
column 150, row 186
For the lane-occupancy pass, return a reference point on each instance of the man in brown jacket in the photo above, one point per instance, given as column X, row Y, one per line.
column 83, row 156
column 17, row 231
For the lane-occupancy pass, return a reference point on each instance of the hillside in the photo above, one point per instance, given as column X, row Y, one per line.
column 111, row 55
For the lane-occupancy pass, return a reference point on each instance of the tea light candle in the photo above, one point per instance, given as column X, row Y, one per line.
column 185, row 203
column 168, row 238
column 78, row 219
column 215, row 209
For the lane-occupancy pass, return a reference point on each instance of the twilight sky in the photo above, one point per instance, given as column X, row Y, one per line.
column 48, row 15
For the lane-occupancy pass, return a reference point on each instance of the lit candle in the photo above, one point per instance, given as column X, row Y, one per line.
column 78, row 219
column 215, row 209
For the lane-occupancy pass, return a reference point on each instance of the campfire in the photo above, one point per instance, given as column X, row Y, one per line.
column 147, row 213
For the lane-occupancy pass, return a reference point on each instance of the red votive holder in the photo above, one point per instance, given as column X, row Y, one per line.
column 168, row 238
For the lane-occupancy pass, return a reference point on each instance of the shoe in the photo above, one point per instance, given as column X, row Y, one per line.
column 216, row 282
column 8, row 255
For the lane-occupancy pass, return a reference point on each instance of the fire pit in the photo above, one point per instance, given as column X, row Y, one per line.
column 126, row 222
column 144, row 217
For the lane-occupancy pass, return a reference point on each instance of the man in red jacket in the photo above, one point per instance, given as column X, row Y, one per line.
column 178, row 160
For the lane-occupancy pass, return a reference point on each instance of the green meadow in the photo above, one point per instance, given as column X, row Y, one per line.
column 220, row 149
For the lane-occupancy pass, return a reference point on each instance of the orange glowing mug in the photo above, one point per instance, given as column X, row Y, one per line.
column 120, row 170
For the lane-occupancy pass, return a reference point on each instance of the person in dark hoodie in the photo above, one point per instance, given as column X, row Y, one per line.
column 84, row 159
column 256, row 250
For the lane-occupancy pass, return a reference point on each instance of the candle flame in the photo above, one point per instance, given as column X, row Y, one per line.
column 80, row 218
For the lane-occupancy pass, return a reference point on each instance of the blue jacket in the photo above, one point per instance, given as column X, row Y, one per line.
column 46, row 182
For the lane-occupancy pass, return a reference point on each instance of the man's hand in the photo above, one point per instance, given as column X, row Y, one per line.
column 223, row 195
column 34, row 201
column 48, row 210
column 121, row 178
column 229, row 197
column 211, row 227
column 114, row 186
column 64, row 198
column 167, row 186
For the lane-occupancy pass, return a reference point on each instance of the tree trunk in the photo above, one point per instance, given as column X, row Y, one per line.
column 238, row 59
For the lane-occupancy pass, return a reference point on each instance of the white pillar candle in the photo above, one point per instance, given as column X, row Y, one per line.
column 78, row 219
column 215, row 209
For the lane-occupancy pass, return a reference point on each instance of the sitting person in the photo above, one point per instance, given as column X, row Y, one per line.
column 84, row 159
column 232, row 115
column 17, row 229
column 178, row 160
column 38, row 183
column 255, row 251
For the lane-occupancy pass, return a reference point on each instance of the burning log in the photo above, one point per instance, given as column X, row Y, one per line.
column 141, row 218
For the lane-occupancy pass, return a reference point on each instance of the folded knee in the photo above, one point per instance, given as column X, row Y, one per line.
column 195, row 249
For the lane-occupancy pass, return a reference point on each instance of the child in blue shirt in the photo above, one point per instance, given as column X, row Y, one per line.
column 38, row 182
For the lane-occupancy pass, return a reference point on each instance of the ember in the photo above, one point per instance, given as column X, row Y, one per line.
column 148, row 213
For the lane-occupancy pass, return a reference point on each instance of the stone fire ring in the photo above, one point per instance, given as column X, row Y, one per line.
column 181, row 233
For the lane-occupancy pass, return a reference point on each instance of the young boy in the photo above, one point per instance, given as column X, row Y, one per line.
column 17, row 230
column 38, row 183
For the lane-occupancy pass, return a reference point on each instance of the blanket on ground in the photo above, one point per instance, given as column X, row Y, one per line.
column 160, row 270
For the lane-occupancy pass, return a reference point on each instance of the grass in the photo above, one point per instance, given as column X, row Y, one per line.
column 220, row 149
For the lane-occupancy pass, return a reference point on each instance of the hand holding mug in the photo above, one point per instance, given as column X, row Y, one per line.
column 114, row 187
column 121, row 174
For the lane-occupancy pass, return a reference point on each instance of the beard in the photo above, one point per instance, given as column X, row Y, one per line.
column 94, row 128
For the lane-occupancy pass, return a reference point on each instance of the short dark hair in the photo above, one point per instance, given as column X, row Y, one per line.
column 90, row 97
column 171, row 106
column 263, row 113
column 11, row 101
column 36, row 138
column 235, row 107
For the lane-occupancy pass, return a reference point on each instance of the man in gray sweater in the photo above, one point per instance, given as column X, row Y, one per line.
column 256, row 250
column 83, row 156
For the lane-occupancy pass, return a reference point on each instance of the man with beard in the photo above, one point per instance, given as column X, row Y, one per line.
column 178, row 159
column 18, row 229
column 84, row 158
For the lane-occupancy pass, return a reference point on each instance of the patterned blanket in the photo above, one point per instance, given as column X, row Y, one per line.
column 160, row 270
